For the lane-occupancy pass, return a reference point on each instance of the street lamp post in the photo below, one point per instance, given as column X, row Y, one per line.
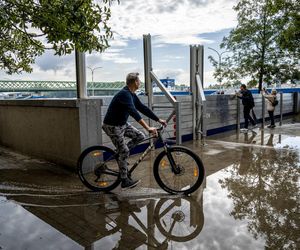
column 220, row 60
column 92, row 70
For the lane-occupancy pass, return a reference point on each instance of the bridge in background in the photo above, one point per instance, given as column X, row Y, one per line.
column 37, row 86
column 98, row 88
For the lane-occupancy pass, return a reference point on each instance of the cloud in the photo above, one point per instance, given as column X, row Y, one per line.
column 117, row 58
column 173, row 26
column 178, row 22
column 181, row 39
column 50, row 62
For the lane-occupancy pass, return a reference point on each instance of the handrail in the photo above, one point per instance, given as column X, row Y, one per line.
column 163, row 88
column 200, row 108
column 200, row 88
column 175, row 104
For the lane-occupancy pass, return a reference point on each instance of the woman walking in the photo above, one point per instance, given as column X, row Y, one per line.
column 271, row 104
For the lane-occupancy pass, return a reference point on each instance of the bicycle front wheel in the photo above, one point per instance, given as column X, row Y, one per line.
column 98, row 169
column 188, row 175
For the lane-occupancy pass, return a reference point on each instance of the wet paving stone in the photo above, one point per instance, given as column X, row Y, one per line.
column 250, row 199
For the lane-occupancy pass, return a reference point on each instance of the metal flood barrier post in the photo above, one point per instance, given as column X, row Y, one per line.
column 281, row 108
column 149, row 78
column 263, row 110
column 238, row 117
column 198, row 96
column 80, row 75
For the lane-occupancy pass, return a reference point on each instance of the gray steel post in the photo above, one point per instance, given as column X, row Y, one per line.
column 201, row 63
column 200, row 69
column 203, row 122
column 193, row 89
column 238, row 117
column 178, row 123
column 263, row 101
column 148, row 68
column 281, row 108
column 80, row 75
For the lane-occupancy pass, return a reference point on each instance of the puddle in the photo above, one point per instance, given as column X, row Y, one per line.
column 250, row 199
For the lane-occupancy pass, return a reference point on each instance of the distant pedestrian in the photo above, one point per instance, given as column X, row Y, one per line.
column 248, row 103
column 272, row 102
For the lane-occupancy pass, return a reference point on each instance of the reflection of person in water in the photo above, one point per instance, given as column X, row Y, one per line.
column 270, row 141
column 271, row 151
column 249, row 139
column 247, row 152
column 131, row 238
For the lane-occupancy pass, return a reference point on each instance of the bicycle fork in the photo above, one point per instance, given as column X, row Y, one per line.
column 175, row 169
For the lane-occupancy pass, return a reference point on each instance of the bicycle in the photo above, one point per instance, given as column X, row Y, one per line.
column 176, row 169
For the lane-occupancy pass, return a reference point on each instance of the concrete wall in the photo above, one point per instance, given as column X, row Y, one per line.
column 58, row 130
column 55, row 130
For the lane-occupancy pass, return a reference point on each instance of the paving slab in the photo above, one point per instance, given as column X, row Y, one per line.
column 248, row 200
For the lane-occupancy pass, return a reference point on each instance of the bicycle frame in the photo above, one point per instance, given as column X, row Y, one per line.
column 151, row 146
column 157, row 138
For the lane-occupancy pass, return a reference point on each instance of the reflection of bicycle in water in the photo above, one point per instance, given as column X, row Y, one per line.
column 104, row 222
column 177, row 220
column 176, row 169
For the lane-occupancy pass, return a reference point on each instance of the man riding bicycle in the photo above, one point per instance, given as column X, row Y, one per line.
column 115, row 124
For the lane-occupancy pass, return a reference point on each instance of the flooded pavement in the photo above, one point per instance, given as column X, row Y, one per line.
column 250, row 199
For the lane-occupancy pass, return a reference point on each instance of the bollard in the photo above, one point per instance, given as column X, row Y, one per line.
column 281, row 108
column 238, row 118
column 178, row 124
column 263, row 112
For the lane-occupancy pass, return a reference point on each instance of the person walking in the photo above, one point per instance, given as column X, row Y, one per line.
column 115, row 124
column 248, row 103
column 272, row 102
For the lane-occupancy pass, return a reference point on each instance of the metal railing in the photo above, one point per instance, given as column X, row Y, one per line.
column 200, row 109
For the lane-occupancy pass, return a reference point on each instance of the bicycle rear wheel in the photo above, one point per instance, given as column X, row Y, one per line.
column 98, row 168
column 189, row 175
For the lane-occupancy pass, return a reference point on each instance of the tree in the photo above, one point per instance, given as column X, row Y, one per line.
column 255, row 46
column 29, row 27
column 289, row 24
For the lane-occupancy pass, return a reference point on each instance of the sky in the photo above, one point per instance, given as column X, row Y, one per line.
column 174, row 25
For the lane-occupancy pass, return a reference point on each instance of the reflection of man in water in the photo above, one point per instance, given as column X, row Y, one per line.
column 247, row 154
column 271, row 151
column 131, row 238
column 270, row 140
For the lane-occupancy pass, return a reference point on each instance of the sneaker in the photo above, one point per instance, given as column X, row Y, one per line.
column 129, row 183
column 273, row 126
column 244, row 130
column 254, row 126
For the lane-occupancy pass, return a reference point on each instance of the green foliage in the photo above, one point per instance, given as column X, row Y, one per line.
column 257, row 45
column 288, row 25
column 28, row 27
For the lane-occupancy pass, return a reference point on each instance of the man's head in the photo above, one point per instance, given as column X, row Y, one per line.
column 133, row 81
column 243, row 87
column 273, row 92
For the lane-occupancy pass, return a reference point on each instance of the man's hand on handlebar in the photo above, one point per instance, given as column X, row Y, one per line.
column 163, row 122
column 153, row 131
